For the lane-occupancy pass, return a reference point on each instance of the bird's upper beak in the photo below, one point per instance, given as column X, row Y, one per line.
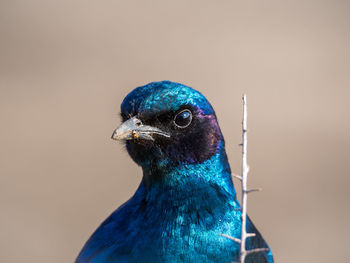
column 134, row 129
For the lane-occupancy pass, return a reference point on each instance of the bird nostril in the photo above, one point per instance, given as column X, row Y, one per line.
column 138, row 123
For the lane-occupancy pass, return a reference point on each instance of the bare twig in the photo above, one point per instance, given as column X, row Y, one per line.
column 243, row 252
column 245, row 191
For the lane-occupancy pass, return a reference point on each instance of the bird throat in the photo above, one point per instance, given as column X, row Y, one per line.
column 206, row 184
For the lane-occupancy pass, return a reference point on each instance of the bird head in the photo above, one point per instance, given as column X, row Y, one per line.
column 167, row 123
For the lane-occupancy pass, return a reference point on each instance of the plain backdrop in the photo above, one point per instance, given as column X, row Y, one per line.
column 65, row 67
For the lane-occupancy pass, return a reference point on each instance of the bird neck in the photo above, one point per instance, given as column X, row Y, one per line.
column 188, row 183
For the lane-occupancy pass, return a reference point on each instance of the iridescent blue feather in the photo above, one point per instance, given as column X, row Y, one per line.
column 186, row 198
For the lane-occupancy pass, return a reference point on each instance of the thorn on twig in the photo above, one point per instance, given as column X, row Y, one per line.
column 256, row 250
column 253, row 190
column 251, row 234
column 237, row 176
column 237, row 240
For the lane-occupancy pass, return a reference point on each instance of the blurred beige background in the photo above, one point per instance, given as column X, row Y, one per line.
column 65, row 67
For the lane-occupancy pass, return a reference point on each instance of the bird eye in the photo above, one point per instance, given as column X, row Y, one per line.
column 183, row 119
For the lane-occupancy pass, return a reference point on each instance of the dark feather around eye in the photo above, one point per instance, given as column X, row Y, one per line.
column 165, row 117
column 123, row 116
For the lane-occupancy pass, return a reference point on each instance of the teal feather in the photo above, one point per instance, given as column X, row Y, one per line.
column 186, row 198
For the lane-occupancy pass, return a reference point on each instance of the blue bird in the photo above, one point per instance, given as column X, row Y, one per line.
column 186, row 198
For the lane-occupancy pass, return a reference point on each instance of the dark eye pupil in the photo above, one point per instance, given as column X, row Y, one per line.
column 183, row 119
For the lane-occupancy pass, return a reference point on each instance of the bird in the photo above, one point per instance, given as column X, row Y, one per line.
column 186, row 201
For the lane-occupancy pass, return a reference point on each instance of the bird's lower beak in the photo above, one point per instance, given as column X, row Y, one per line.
column 134, row 129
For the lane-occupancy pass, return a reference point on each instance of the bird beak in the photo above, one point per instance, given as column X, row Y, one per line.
column 134, row 129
